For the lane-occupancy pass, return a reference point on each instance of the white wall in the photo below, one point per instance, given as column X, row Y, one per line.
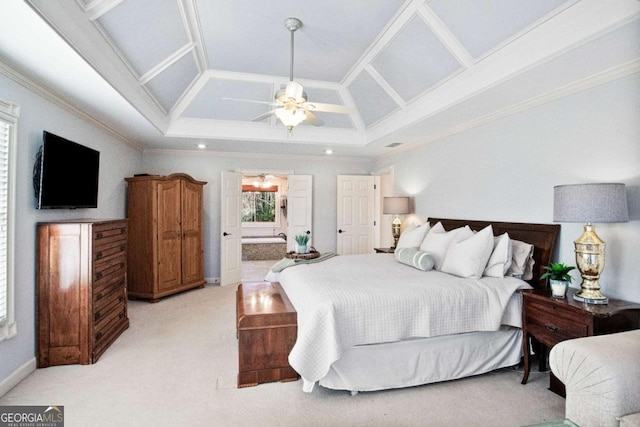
column 117, row 160
column 206, row 166
column 506, row 171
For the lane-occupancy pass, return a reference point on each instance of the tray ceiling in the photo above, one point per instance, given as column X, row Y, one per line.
column 406, row 66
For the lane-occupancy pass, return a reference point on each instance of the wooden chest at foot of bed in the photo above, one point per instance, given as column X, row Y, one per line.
column 267, row 328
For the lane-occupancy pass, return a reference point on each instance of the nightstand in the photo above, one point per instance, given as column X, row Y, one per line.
column 384, row 250
column 549, row 320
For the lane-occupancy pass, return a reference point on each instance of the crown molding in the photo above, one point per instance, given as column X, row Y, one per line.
column 56, row 99
column 587, row 83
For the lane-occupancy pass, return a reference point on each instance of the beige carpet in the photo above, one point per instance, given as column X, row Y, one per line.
column 176, row 366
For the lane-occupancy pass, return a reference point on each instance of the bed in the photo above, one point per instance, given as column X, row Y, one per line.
column 368, row 322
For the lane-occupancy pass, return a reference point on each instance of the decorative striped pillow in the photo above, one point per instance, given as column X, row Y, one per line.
column 415, row 258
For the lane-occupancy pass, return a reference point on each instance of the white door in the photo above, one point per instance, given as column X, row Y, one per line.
column 299, row 206
column 230, row 228
column 355, row 208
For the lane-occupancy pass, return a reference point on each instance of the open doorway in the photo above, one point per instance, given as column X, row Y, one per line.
column 264, row 223
column 386, row 183
column 291, row 203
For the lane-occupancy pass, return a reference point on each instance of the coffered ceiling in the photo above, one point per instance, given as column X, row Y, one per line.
column 413, row 70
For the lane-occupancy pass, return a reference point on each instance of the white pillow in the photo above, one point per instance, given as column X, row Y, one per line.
column 522, row 260
column 415, row 258
column 468, row 257
column 438, row 239
column 412, row 236
column 500, row 259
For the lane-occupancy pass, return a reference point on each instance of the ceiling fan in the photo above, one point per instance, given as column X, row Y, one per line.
column 291, row 100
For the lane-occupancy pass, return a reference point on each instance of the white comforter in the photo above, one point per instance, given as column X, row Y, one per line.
column 366, row 299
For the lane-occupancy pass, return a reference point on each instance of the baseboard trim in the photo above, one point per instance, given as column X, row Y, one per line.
column 17, row 376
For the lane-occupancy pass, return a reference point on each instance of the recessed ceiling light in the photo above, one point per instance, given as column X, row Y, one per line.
column 394, row 144
column 328, row 151
column 202, row 146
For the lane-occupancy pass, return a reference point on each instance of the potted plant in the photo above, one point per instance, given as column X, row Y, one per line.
column 301, row 243
column 559, row 278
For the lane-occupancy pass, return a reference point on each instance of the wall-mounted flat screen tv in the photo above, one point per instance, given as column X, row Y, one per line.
column 65, row 174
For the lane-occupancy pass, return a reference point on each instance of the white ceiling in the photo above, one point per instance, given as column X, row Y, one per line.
column 413, row 70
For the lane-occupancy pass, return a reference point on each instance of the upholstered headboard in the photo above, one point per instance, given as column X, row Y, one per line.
column 542, row 236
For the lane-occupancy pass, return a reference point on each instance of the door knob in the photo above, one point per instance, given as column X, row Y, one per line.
column 226, row 234
column 308, row 232
column 340, row 231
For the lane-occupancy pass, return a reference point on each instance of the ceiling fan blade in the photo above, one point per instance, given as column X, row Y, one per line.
column 263, row 116
column 328, row 108
column 253, row 101
column 313, row 119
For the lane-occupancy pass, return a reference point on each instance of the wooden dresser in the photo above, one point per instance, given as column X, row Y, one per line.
column 81, row 293
column 166, row 252
column 267, row 329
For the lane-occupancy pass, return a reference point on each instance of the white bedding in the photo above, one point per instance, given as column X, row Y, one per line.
column 424, row 360
column 367, row 299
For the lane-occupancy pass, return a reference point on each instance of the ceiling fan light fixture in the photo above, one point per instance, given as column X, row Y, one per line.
column 290, row 117
column 262, row 182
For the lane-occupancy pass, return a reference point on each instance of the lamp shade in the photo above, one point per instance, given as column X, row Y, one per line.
column 590, row 203
column 395, row 205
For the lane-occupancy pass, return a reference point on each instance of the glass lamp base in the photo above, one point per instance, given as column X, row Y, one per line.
column 588, row 300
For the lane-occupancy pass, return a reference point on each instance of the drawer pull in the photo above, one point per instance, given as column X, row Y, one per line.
column 99, row 255
column 99, row 235
column 123, row 230
column 97, row 316
column 121, row 315
column 122, row 248
column 98, row 336
column 99, row 275
column 99, row 296
column 121, row 299
column 552, row 328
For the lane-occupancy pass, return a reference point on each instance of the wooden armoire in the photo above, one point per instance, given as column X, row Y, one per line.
column 165, row 235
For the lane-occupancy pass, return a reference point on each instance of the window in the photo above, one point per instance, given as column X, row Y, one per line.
column 259, row 205
column 8, row 125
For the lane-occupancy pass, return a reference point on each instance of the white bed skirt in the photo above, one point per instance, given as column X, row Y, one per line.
column 424, row 361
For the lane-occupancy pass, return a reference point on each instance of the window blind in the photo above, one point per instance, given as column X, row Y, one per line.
column 4, row 210
column 9, row 113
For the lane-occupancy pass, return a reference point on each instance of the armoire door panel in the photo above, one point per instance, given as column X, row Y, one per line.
column 169, row 235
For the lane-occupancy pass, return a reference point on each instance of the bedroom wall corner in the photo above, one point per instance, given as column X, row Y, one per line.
column 506, row 170
column 117, row 160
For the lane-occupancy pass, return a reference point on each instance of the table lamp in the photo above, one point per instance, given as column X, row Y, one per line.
column 395, row 206
column 590, row 203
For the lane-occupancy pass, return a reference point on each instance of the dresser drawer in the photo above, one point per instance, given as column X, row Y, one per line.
column 108, row 329
column 108, row 230
column 536, row 308
column 108, row 268
column 107, row 317
column 550, row 330
column 115, row 282
column 107, row 305
column 106, row 299
column 106, row 250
